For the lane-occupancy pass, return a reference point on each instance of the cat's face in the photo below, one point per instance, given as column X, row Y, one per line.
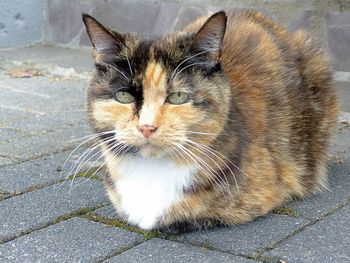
column 157, row 97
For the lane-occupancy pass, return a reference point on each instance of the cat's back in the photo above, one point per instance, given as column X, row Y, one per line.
column 275, row 70
column 282, row 87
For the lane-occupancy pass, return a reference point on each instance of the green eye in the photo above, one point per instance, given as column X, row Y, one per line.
column 178, row 98
column 124, row 97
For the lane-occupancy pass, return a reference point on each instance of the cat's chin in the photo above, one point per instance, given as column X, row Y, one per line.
column 151, row 151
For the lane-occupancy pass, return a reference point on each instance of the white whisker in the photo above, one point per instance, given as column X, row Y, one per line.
column 217, row 165
column 115, row 68
column 127, row 59
column 212, row 151
column 183, row 61
column 191, row 65
column 195, row 157
column 90, row 137
column 119, row 147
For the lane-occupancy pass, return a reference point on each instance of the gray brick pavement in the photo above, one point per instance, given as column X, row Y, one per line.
column 159, row 251
column 44, row 143
column 27, row 212
column 9, row 134
column 45, row 171
column 325, row 241
column 74, row 240
column 46, row 88
column 325, row 202
column 107, row 211
column 6, row 161
column 48, row 122
column 10, row 114
column 344, row 91
column 247, row 238
column 37, row 105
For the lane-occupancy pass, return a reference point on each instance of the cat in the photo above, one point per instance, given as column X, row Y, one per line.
column 216, row 124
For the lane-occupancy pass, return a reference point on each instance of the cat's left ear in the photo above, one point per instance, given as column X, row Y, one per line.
column 107, row 44
column 208, row 40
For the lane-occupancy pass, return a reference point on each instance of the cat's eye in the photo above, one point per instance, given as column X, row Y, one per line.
column 178, row 98
column 124, row 97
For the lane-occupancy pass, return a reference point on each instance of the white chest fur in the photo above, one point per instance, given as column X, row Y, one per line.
column 149, row 186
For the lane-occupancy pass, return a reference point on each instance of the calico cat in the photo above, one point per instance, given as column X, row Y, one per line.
column 218, row 123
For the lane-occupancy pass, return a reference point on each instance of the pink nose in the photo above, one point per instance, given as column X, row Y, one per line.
column 147, row 130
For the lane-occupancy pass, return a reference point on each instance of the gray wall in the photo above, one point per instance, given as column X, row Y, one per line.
column 21, row 22
column 64, row 24
column 58, row 22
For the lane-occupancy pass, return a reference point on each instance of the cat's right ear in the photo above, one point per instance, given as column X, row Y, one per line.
column 208, row 40
column 106, row 43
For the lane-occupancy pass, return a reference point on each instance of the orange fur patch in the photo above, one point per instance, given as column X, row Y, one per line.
column 154, row 83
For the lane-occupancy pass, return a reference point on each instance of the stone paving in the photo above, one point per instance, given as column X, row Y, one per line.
column 47, row 217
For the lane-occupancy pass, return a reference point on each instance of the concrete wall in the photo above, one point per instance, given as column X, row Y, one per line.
column 21, row 22
column 58, row 22
column 327, row 20
column 64, row 25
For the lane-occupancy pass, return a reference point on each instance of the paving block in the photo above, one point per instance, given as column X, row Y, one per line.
column 74, row 240
column 338, row 36
column 70, row 118
column 10, row 134
column 40, row 95
column 343, row 90
column 9, row 114
column 338, row 174
column 49, row 121
column 246, row 238
column 6, row 161
column 33, row 85
column 47, row 86
column 340, row 146
column 159, row 250
column 57, row 89
column 19, row 178
column 27, row 212
column 44, row 144
column 3, row 196
column 342, row 76
column 107, row 211
column 322, row 203
column 32, row 103
column 325, row 241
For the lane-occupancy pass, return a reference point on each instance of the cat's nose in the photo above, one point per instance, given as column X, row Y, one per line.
column 146, row 130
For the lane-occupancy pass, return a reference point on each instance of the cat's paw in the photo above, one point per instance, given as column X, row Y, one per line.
column 178, row 228
column 185, row 227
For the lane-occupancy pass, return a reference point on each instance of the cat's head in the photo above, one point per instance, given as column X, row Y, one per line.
column 154, row 97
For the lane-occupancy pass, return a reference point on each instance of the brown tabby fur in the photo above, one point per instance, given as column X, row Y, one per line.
column 269, row 101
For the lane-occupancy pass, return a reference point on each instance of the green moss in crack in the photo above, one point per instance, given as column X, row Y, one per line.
column 266, row 259
column 152, row 234
column 76, row 213
column 207, row 245
column 89, row 174
column 147, row 235
column 285, row 211
column 123, row 249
